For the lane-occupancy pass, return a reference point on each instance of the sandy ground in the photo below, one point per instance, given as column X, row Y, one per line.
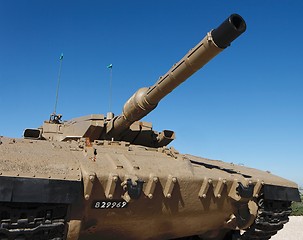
column 293, row 230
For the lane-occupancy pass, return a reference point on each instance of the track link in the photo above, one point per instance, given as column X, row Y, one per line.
column 272, row 215
column 32, row 221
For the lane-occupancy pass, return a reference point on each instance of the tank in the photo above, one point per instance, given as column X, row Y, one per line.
column 114, row 177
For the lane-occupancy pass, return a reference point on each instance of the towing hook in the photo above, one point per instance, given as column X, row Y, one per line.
column 134, row 190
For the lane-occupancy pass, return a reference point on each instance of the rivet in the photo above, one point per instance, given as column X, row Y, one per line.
column 92, row 178
column 219, row 195
column 168, row 195
column 115, row 178
column 110, row 196
column 204, row 195
column 155, row 179
column 150, row 196
column 86, row 197
column 174, row 180
column 210, row 181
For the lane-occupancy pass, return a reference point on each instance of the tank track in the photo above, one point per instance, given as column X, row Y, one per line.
column 33, row 221
column 272, row 215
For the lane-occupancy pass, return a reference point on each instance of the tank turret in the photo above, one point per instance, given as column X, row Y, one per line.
column 126, row 127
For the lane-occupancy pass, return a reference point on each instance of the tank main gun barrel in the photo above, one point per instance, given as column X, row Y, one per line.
column 146, row 99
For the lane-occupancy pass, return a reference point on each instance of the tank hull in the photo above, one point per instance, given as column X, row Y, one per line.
column 181, row 195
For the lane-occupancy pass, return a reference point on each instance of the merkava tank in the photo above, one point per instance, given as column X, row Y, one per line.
column 113, row 177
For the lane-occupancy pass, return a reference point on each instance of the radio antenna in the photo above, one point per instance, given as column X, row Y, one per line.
column 59, row 76
column 110, row 67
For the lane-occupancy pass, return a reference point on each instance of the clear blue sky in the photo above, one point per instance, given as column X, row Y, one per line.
column 243, row 107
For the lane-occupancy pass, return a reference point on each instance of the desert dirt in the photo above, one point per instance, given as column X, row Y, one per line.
column 293, row 230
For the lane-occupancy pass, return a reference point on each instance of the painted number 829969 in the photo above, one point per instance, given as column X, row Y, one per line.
column 106, row 204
